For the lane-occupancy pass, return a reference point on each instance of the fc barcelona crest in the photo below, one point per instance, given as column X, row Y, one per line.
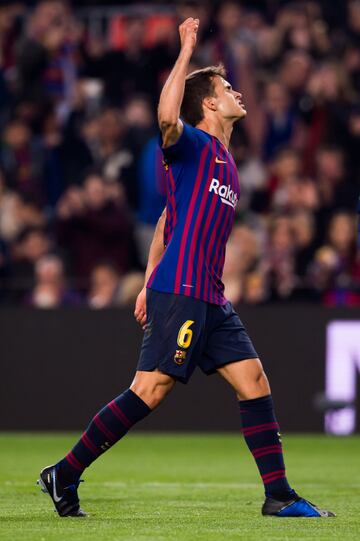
column 180, row 356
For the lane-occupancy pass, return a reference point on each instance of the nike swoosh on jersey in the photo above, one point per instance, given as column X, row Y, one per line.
column 55, row 496
column 219, row 161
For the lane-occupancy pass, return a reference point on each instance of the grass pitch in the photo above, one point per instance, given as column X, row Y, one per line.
column 179, row 488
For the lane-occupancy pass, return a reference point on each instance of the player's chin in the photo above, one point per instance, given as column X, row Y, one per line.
column 242, row 113
column 240, row 116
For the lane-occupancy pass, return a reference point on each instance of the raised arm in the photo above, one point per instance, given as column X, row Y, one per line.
column 155, row 253
column 173, row 92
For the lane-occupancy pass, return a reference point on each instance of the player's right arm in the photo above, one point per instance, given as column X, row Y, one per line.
column 155, row 254
column 172, row 94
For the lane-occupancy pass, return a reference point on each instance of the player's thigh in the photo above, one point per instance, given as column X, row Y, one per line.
column 173, row 335
column 227, row 340
column 247, row 378
column 152, row 387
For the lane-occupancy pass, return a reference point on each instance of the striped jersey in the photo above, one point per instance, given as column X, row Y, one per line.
column 202, row 192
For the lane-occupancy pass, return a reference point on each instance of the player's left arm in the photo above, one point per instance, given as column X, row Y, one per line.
column 156, row 251
column 173, row 92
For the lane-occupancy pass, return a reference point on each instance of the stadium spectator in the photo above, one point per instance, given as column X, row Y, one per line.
column 329, row 96
column 303, row 227
column 279, row 265
column 280, row 120
column 30, row 245
column 334, row 188
column 50, row 290
column 93, row 224
column 141, row 128
column 104, row 286
column 336, row 267
column 48, row 56
column 284, row 175
column 111, row 153
column 294, row 72
column 22, row 160
column 109, row 289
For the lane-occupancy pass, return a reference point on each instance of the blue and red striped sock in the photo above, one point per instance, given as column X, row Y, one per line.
column 106, row 428
column 261, row 432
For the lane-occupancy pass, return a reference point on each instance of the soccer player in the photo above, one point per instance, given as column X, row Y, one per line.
column 188, row 321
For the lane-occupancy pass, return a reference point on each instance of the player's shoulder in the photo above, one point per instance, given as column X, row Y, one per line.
column 191, row 140
column 196, row 133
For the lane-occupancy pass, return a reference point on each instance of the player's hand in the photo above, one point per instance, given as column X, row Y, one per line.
column 140, row 308
column 188, row 32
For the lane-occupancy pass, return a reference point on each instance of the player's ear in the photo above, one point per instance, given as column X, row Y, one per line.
column 209, row 103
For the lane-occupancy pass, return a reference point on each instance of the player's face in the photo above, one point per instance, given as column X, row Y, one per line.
column 228, row 102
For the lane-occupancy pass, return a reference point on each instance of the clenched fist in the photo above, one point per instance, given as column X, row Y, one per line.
column 140, row 308
column 188, row 31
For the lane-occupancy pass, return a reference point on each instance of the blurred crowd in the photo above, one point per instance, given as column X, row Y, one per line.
column 81, row 177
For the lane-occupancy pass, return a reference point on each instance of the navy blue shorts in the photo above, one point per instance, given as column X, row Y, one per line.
column 183, row 332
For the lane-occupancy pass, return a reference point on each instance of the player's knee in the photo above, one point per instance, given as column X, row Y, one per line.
column 158, row 395
column 260, row 376
column 260, row 381
column 152, row 396
column 256, row 384
column 152, row 389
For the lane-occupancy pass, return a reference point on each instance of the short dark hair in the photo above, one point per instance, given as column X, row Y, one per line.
column 199, row 85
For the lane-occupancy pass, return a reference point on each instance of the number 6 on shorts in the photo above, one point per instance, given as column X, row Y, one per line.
column 185, row 334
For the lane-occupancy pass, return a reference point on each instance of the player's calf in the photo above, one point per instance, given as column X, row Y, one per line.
column 108, row 426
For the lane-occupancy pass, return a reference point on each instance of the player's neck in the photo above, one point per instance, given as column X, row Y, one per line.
column 221, row 131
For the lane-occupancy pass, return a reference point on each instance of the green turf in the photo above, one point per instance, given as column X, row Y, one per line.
column 177, row 488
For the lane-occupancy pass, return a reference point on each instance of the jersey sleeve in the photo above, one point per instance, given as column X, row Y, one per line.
column 188, row 143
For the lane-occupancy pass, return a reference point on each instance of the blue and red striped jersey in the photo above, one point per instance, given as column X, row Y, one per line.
column 202, row 192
